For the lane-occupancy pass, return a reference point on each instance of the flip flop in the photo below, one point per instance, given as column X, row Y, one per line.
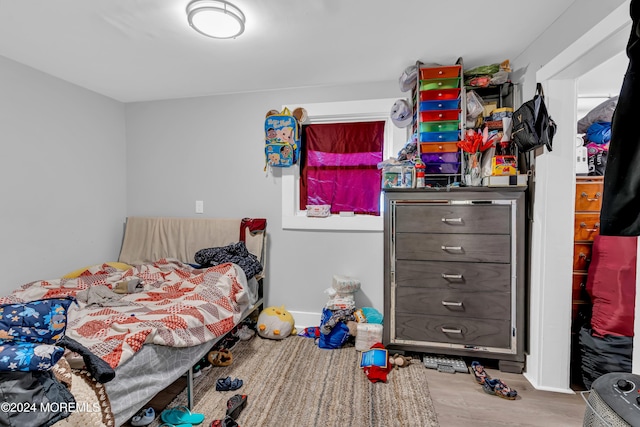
column 235, row 405
column 479, row 373
column 227, row 384
column 499, row 388
column 181, row 415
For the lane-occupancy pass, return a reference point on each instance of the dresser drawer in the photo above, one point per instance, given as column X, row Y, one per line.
column 437, row 147
column 581, row 256
column 586, row 226
column 454, row 247
column 440, row 126
column 489, row 219
column 579, row 287
column 439, row 95
column 463, row 276
column 454, row 330
column 441, row 115
column 445, row 72
column 450, row 83
column 589, row 196
column 478, row 304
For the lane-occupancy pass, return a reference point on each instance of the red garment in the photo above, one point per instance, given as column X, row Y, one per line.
column 611, row 284
column 253, row 224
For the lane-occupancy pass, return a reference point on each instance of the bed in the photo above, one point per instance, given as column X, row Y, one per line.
column 154, row 336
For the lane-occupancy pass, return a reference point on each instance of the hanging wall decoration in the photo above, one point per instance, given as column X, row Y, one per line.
column 282, row 137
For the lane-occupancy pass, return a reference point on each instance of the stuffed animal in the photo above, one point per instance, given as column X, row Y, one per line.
column 275, row 323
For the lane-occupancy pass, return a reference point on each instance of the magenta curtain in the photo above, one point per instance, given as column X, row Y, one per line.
column 339, row 166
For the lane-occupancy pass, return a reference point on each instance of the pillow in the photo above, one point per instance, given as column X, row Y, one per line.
column 27, row 356
column 41, row 321
column 77, row 273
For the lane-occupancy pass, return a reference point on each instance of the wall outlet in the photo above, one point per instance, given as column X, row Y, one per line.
column 199, row 206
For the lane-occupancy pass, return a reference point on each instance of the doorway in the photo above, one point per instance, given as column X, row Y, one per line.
column 548, row 365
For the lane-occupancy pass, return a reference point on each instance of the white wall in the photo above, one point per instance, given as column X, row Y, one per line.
column 62, row 176
column 212, row 149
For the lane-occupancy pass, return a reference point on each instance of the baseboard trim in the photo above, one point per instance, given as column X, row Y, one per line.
column 304, row 319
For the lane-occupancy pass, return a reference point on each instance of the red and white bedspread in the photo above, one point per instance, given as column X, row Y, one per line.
column 179, row 307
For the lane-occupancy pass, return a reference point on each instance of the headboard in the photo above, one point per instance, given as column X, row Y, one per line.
column 147, row 239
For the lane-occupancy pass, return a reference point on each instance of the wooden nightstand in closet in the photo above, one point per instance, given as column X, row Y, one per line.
column 586, row 226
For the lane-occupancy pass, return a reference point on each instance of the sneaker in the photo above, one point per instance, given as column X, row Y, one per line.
column 245, row 333
column 144, row 417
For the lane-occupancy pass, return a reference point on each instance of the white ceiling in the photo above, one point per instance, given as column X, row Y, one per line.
column 138, row 50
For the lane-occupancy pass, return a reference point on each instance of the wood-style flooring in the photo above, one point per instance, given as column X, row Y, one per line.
column 460, row 402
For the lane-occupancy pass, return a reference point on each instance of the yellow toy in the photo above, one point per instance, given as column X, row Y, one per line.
column 275, row 323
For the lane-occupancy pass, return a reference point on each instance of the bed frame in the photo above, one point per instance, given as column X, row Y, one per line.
column 147, row 239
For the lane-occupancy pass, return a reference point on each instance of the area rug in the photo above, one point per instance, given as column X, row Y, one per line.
column 293, row 382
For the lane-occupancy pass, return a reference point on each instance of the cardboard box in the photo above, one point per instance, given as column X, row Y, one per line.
column 519, row 180
column 504, row 165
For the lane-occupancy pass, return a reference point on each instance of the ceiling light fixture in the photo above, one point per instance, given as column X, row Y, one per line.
column 218, row 19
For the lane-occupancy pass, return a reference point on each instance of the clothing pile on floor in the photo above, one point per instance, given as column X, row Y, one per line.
column 596, row 127
column 341, row 321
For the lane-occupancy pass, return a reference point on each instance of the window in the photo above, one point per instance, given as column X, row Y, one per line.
column 339, row 112
column 339, row 166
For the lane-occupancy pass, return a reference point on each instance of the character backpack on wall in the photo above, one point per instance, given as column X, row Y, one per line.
column 282, row 137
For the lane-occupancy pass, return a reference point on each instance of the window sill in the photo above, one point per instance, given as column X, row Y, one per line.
column 333, row 222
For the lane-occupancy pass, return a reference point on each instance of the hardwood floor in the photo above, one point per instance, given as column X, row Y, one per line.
column 460, row 401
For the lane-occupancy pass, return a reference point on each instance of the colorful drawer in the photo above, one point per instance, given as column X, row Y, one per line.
column 446, row 72
column 435, row 115
column 439, row 136
column 440, row 126
column 437, row 95
column 442, row 168
column 452, row 104
column 440, row 84
column 428, row 158
column 436, row 147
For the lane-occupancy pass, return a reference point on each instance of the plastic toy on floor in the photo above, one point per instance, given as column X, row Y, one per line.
column 275, row 323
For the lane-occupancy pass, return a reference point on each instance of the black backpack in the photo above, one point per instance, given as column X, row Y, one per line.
column 531, row 124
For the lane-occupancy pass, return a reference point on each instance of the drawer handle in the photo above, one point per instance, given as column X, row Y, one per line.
column 584, row 226
column 451, row 331
column 453, row 220
column 451, row 248
column 597, row 196
column 451, row 304
column 452, row 276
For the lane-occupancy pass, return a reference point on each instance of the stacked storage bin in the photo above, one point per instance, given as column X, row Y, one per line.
column 439, row 95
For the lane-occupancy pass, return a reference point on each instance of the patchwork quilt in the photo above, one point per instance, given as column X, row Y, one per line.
column 180, row 306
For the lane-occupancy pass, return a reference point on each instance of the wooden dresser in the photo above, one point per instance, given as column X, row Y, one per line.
column 586, row 226
column 454, row 273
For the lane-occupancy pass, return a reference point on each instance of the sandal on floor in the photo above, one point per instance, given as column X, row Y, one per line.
column 143, row 417
column 181, row 415
column 227, row 422
column 235, row 405
column 499, row 388
column 227, row 384
column 220, row 357
column 479, row 373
